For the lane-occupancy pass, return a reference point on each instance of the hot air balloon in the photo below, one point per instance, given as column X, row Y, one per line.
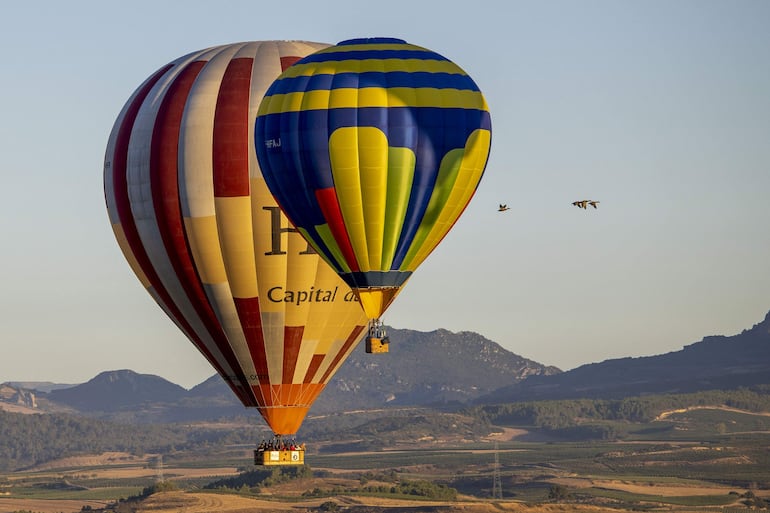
column 373, row 148
column 197, row 224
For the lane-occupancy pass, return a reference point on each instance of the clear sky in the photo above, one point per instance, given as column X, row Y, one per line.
column 658, row 109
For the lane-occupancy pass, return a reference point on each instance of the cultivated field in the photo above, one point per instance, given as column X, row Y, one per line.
column 717, row 459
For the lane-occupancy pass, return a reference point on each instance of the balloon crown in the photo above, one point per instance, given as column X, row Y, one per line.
column 371, row 41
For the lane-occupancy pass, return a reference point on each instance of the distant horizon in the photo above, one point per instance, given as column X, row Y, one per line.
column 214, row 374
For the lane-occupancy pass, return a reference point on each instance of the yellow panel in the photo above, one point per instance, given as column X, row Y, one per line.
column 376, row 300
column 204, row 243
column 344, row 155
column 270, row 261
column 234, row 222
column 372, row 96
column 338, row 318
column 373, row 148
column 335, row 318
column 351, row 98
column 327, row 290
column 300, row 282
column 344, row 98
column 401, row 163
column 383, row 65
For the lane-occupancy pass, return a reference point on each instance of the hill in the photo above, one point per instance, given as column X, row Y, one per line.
column 715, row 362
column 422, row 368
column 118, row 390
column 426, row 368
column 430, row 369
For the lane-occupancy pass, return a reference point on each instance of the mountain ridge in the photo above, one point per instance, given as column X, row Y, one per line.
column 436, row 368
column 714, row 362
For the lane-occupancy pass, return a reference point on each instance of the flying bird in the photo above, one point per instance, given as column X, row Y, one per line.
column 580, row 204
column 592, row 203
column 503, row 207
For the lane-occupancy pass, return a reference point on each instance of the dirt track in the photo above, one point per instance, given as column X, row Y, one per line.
column 644, row 489
column 8, row 505
column 180, row 502
column 666, row 414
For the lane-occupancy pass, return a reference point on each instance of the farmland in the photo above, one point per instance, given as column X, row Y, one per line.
column 688, row 459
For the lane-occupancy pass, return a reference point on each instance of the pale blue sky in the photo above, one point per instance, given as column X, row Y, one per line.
column 659, row 109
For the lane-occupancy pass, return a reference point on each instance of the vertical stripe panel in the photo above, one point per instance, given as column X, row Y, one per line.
column 248, row 308
column 231, row 139
column 315, row 363
column 292, row 341
column 327, row 202
column 164, row 184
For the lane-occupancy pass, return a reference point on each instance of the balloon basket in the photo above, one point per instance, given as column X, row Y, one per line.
column 377, row 340
column 376, row 345
column 283, row 457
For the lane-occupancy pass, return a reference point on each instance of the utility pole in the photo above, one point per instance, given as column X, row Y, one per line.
column 497, row 485
column 159, row 466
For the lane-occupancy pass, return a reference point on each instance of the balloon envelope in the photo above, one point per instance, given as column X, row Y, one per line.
column 373, row 148
column 196, row 222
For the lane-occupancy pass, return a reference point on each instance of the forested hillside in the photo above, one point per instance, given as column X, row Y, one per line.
column 26, row 440
column 562, row 413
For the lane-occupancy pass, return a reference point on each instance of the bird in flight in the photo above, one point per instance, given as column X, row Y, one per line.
column 503, row 207
column 584, row 203
column 580, row 204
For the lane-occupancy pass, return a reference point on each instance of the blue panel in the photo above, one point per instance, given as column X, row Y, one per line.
column 372, row 41
column 364, row 280
column 347, row 54
column 372, row 79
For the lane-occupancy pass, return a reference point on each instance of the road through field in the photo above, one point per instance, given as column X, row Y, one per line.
column 180, row 502
column 9, row 505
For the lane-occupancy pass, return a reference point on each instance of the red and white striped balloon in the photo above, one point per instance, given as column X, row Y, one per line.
column 197, row 224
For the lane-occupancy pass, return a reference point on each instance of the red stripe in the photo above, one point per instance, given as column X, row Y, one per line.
column 327, row 201
column 352, row 339
column 315, row 363
column 288, row 61
column 164, row 178
column 292, row 342
column 231, row 131
column 251, row 322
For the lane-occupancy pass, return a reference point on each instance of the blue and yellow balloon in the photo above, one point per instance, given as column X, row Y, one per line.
column 373, row 148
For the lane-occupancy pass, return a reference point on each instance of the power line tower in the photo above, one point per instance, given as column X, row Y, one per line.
column 497, row 485
column 159, row 466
